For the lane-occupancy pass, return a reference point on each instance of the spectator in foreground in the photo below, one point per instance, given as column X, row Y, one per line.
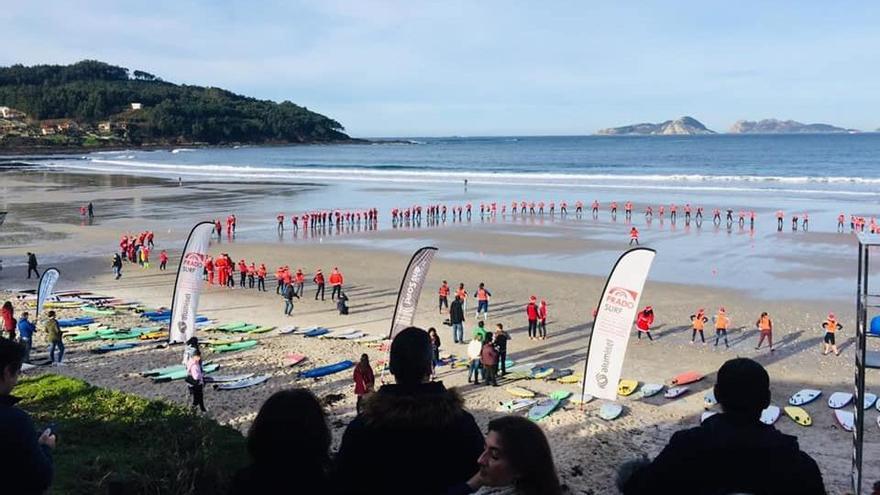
column 516, row 461
column 289, row 444
column 413, row 436
column 752, row 457
column 27, row 461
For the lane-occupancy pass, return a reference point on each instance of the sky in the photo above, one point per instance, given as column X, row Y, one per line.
column 465, row 68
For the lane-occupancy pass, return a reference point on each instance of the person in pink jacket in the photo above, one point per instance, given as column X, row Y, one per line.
column 542, row 320
column 196, row 380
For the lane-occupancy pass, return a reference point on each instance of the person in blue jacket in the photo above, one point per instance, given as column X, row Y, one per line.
column 27, row 460
column 26, row 330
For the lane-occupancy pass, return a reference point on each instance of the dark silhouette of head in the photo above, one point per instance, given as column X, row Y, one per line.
column 290, row 429
column 411, row 356
column 743, row 387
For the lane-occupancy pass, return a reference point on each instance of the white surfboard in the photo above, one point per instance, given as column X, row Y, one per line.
column 515, row 405
column 352, row 336
column 610, row 411
column 674, row 392
column 846, row 419
column 839, row 399
column 650, row 389
column 247, row 382
column 770, row 415
column 287, row 330
column 706, row 415
column 870, row 400
column 805, row 396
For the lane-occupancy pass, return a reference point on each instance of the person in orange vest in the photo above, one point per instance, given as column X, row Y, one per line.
column 482, row 296
column 462, row 294
column 220, row 266
column 765, row 325
column 444, row 296
column 319, row 282
column 261, row 278
column 286, row 279
column 218, row 228
column 279, row 277
column 243, row 271
column 335, row 283
column 633, row 236
column 209, row 270
column 252, row 274
column 698, row 322
column 831, row 326
column 722, row 322
column 300, row 281
column 163, row 259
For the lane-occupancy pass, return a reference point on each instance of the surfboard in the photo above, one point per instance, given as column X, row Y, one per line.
column 520, row 392
column 352, row 336
column 798, row 415
column 316, row 332
column 294, row 359
column 560, row 394
column 515, row 405
column 627, row 387
column 235, row 346
column 247, row 382
column 686, row 377
column 580, row 400
column 706, row 415
column 573, row 378
column 674, row 392
column 709, row 399
column 541, row 373
column 288, row 330
column 230, row 326
column 804, row 396
column 263, row 329
column 870, row 400
column 650, row 389
column 153, row 335
column 97, row 311
column 839, row 399
column 610, row 411
column 770, row 415
column 227, row 378
column 113, row 347
column 846, row 419
column 556, row 375
column 326, row 370
column 543, row 409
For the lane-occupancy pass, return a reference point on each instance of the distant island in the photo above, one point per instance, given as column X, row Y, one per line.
column 774, row 126
column 684, row 126
column 91, row 104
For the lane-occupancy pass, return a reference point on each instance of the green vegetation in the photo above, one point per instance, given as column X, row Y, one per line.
column 90, row 92
column 109, row 439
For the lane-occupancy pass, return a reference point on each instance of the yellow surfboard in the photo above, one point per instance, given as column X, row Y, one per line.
column 520, row 392
column 627, row 387
column 575, row 378
column 799, row 415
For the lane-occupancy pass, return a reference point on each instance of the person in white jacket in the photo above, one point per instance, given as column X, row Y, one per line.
column 473, row 352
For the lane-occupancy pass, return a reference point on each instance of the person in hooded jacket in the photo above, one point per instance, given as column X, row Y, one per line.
column 752, row 457
column 413, row 436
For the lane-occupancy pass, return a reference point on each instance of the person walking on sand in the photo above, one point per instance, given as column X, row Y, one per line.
column 163, row 260
column 444, row 297
column 456, row 318
column 482, row 296
column 117, row 266
column 289, row 294
column 32, row 265
column 55, row 341
column 336, row 283
column 542, row 320
column 698, row 323
column 765, row 325
column 644, row 321
column 435, row 350
column 500, row 339
column 532, row 316
column 831, row 327
column 633, row 236
column 319, row 283
column 722, row 322
column 195, row 379
column 364, row 380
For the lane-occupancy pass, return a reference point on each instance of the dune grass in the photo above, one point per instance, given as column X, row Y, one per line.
column 112, row 442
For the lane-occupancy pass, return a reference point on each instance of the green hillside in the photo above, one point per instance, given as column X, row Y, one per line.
column 90, row 103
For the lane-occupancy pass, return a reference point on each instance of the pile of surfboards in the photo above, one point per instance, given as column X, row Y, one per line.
column 538, row 409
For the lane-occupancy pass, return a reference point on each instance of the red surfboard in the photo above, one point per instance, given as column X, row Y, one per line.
column 686, row 377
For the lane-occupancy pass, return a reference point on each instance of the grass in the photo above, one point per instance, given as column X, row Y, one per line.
column 112, row 442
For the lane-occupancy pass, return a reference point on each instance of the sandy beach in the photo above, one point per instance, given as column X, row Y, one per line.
column 511, row 258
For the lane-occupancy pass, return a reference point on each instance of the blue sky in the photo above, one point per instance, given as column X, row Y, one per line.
column 413, row 68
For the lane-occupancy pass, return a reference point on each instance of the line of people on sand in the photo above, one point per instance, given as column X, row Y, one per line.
column 722, row 323
column 321, row 219
column 221, row 270
column 536, row 314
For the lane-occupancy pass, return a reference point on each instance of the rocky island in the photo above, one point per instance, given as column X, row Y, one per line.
column 774, row 126
column 684, row 126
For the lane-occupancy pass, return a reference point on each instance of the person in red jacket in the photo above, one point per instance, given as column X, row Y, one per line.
column 279, row 277
column 252, row 274
column 319, row 282
column 532, row 315
column 261, row 277
column 336, row 283
column 8, row 315
column 220, row 266
column 644, row 321
column 444, row 297
column 542, row 320
column 243, row 271
column 364, row 380
column 209, row 270
column 163, row 259
column 633, row 236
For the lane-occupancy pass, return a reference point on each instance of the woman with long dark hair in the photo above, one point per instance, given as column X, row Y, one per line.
column 364, row 380
column 289, row 444
column 516, row 461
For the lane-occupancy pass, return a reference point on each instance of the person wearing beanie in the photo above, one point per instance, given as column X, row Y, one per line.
column 747, row 455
